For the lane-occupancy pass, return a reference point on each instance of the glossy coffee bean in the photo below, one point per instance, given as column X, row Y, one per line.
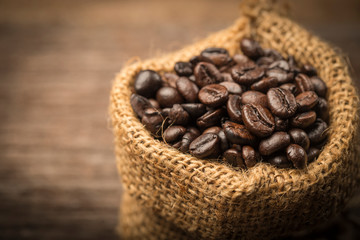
column 258, row 120
column 289, row 86
column 217, row 56
column 274, row 143
column 241, row 59
column 188, row 89
column 233, row 107
column 281, row 102
column 168, row 96
column 273, row 54
column 264, row 61
column 317, row 132
column 322, row 109
column 169, row 80
column 297, row 155
column 224, row 145
column 152, row 121
column 165, row 112
column 281, row 125
column 312, row 154
column 280, row 75
column 147, row 82
column 174, row 134
column 303, row 120
column 213, row 95
column 280, row 64
column 206, row 73
column 265, row 84
column 226, row 77
column 309, row 70
column 250, row 156
column 215, row 129
column 194, row 109
column 319, row 86
column 178, row 115
column 254, row 97
column 299, row 137
column 194, row 61
column 154, row 103
column 303, row 83
column 233, row 157
column 251, row 48
column 280, row 161
column 183, row 69
column 139, row 104
column 306, row 101
column 232, row 87
column 247, row 77
column 206, row 145
column 191, row 134
column 238, row 134
column 210, row 118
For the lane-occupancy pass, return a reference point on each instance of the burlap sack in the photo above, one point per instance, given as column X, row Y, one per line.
column 213, row 201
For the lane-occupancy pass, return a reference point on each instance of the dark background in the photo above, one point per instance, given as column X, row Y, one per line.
column 57, row 60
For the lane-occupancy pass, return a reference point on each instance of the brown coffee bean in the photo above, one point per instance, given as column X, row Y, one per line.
column 241, row 59
column 191, row 134
column 194, row 61
column 178, row 115
column 219, row 131
column 250, row 156
column 289, row 86
column 303, row 120
column 300, row 138
column 280, row 64
column 213, row 95
column 187, row 89
column 280, row 161
column 154, row 103
column 174, row 134
column 168, row 96
column 194, row 109
column 206, row 73
column 312, row 154
column 309, row 70
column 306, row 100
column 238, row 134
column 206, row 145
column 232, row 87
column 183, row 69
column 273, row 54
column 215, row 129
column 165, row 112
column 210, row 118
column 317, row 132
column 322, row 109
column 169, row 80
column 147, row 82
column 233, row 157
column 265, row 84
column 251, row 48
column 153, row 121
column 227, row 77
column 303, row 83
column 281, row 125
column 280, row 75
column 274, row 143
column 319, row 86
column 264, row 61
column 217, row 56
column 247, row 76
column 281, row 102
column 258, row 120
column 233, row 107
column 254, row 97
column 297, row 155
column 139, row 104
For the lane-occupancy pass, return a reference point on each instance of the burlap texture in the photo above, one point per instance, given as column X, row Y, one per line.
column 214, row 201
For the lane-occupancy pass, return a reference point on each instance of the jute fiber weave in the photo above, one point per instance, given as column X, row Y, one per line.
column 200, row 199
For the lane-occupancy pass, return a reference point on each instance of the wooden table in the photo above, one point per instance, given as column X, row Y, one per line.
column 57, row 61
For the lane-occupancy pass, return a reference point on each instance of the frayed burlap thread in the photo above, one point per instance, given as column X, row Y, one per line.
column 210, row 200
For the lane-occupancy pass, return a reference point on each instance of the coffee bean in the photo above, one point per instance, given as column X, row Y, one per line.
column 191, row 134
column 206, row 73
column 309, row 70
column 147, row 82
column 258, row 120
column 322, row 109
column 178, row 115
column 223, row 140
column 139, row 104
column 194, row 61
column 210, row 118
column 265, row 84
column 303, row 83
column 281, row 102
column 154, row 103
column 183, row 69
column 280, row 64
column 217, row 56
column 317, row 132
column 174, row 134
column 300, row 138
column 264, row 61
column 165, row 112
column 250, row 156
column 233, row 157
column 187, row 89
column 297, row 155
column 247, row 77
column 241, row 59
column 312, row 154
column 280, row 75
column 273, row 54
column 319, row 86
column 281, row 125
column 254, row 97
column 232, row 87
column 306, row 100
column 289, row 86
column 280, row 161
column 274, row 143
column 192, row 78
column 153, row 121
column 226, row 77
column 213, row 95
column 206, row 145
column 251, row 48
column 169, row 80
column 168, row 96
column 303, row 120
column 233, row 107
column 238, row 134
column 194, row 109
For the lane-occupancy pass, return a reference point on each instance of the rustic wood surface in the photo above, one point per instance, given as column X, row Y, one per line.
column 57, row 61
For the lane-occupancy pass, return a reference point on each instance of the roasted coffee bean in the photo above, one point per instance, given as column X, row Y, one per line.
column 303, row 120
column 251, row 48
column 233, row 157
column 247, row 77
column 280, row 64
column 322, row 109
column 169, row 80
column 154, row 103
column 206, row 145
column 194, row 61
column 312, row 154
column 319, row 86
column 194, row 109
column 168, row 96
column 299, row 137
column 280, row 75
column 215, row 129
column 147, row 82
column 274, row 143
column 191, row 134
column 265, row 84
column 258, row 120
column 254, row 97
column 281, row 125
column 280, row 161
column 232, row 87
column 240, row 59
column 293, row 66
column 226, row 77
column 187, row 89
column 183, row 69
column 238, row 134
column 306, row 100
column 264, row 61
column 224, row 145
column 217, row 56
column 297, row 155
column 250, row 156
column 317, row 132
column 289, row 86
column 178, row 115
column 174, row 134
column 153, row 121
column 309, row 70
column 206, row 73
column 281, row 102
column 233, row 107
column 139, row 104
column 165, row 112
column 192, row 78
column 210, row 118
column 303, row 83
column 213, row 95
column 273, row 54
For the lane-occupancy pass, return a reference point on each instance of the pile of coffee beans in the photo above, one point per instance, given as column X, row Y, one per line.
column 242, row 110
